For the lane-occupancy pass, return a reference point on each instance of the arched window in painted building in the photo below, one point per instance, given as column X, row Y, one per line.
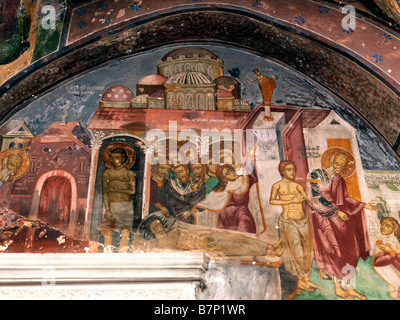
column 180, row 100
column 169, row 100
column 168, row 72
column 200, row 67
column 200, row 101
column 189, row 101
column 210, row 72
column 210, row 101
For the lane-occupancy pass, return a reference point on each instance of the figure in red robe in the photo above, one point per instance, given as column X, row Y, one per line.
column 231, row 199
column 339, row 227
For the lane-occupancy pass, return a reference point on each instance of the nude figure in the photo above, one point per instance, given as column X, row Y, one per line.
column 294, row 226
column 118, row 186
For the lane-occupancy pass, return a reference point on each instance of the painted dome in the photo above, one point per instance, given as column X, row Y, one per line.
column 117, row 93
column 189, row 78
column 153, row 80
column 189, row 52
column 159, row 94
column 223, row 93
column 226, row 81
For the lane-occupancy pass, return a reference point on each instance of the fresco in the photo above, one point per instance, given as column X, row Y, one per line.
column 15, row 33
column 182, row 148
column 27, row 33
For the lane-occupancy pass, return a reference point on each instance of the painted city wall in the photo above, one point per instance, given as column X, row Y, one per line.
column 204, row 147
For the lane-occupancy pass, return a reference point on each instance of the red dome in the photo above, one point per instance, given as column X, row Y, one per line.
column 157, row 94
column 223, row 93
column 153, row 80
column 117, row 93
column 226, row 81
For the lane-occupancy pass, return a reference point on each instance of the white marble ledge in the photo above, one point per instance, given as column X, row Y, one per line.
column 33, row 269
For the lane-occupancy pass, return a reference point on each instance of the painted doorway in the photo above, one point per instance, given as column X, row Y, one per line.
column 55, row 202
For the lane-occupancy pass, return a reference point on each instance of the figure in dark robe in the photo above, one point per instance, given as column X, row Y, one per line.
column 159, row 175
column 181, row 193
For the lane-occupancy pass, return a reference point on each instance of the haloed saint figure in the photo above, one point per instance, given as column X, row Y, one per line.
column 13, row 164
column 119, row 184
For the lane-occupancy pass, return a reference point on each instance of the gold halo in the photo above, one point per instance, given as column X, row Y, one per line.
column 26, row 160
column 129, row 151
column 330, row 152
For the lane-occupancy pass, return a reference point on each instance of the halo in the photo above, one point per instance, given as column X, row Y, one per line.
column 186, row 152
column 26, row 160
column 129, row 151
column 330, row 152
column 229, row 153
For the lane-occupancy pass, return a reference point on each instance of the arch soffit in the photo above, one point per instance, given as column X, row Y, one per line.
column 325, row 61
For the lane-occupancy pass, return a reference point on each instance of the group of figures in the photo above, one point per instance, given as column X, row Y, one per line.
column 182, row 195
column 184, row 191
column 334, row 232
column 319, row 222
column 331, row 228
column 180, row 192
